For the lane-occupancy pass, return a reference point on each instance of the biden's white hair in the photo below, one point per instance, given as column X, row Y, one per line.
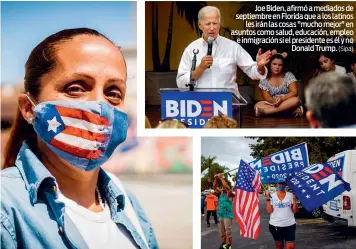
column 206, row 10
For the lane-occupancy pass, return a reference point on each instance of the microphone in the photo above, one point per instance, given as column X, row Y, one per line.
column 210, row 45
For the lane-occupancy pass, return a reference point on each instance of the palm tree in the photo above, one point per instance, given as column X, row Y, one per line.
column 189, row 10
column 213, row 169
column 207, row 162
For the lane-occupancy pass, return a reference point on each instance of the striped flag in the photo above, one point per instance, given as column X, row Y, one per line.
column 246, row 203
column 77, row 132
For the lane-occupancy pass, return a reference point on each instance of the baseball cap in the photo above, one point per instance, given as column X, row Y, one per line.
column 281, row 180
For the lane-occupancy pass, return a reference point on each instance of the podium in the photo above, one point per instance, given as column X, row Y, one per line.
column 196, row 107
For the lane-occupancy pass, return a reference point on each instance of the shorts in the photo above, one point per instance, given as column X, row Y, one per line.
column 225, row 227
column 281, row 234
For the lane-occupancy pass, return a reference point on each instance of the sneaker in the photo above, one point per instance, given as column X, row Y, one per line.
column 222, row 246
column 226, row 246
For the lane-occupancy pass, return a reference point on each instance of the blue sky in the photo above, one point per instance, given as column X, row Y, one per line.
column 25, row 24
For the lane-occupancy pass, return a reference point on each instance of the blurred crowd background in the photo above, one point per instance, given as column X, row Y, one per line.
column 157, row 169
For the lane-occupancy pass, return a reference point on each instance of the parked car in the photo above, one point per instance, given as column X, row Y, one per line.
column 316, row 213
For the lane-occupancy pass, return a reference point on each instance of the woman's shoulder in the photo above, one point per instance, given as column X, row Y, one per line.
column 289, row 78
column 263, row 83
column 340, row 69
column 289, row 75
column 13, row 192
column 289, row 195
column 12, row 184
column 10, row 173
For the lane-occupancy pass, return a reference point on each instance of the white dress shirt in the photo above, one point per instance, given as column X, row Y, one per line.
column 227, row 54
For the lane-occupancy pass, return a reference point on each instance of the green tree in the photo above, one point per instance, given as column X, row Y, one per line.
column 213, row 169
column 320, row 149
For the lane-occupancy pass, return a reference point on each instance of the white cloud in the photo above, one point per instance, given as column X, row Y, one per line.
column 228, row 150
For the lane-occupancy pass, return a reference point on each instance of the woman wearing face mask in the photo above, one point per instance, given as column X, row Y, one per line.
column 282, row 206
column 327, row 63
column 70, row 120
column 279, row 90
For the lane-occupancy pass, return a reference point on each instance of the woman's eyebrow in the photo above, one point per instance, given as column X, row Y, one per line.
column 115, row 80
column 112, row 80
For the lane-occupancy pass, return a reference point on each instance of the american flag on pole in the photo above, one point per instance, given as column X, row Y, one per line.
column 246, row 203
column 78, row 133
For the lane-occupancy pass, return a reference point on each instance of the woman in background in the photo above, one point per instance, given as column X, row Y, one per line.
column 327, row 63
column 279, row 90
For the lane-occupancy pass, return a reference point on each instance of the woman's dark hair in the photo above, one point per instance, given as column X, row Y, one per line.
column 327, row 54
column 40, row 62
column 280, row 57
column 352, row 59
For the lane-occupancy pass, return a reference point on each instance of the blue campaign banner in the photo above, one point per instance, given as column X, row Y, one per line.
column 337, row 163
column 195, row 108
column 316, row 185
column 282, row 164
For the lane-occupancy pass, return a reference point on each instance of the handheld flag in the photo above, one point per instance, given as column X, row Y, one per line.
column 316, row 185
column 246, row 203
column 282, row 164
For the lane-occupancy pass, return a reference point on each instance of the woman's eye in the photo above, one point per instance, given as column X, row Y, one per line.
column 114, row 97
column 74, row 89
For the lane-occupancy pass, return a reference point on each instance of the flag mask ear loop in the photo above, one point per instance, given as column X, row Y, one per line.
column 30, row 120
column 29, row 98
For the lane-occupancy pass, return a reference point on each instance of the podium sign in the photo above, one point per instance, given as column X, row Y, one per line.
column 195, row 108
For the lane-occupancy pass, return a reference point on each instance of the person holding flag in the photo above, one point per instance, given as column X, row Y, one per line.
column 246, row 204
column 282, row 206
column 225, row 214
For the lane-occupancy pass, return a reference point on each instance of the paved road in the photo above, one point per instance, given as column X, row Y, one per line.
column 167, row 200
column 310, row 234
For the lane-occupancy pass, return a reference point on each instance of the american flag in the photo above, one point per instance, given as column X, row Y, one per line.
column 246, row 202
column 75, row 132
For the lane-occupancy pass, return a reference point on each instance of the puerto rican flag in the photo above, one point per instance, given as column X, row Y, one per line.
column 77, row 132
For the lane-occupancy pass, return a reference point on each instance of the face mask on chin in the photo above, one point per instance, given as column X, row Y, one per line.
column 83, row 133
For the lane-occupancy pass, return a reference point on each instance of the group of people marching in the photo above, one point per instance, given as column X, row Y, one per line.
column 281, row 206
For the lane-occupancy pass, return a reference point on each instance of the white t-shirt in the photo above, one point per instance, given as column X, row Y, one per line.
column 339, row 69
column 282, row 215
column 98, row 229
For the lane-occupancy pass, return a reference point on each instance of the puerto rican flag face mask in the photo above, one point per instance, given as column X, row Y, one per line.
column 83, row 133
